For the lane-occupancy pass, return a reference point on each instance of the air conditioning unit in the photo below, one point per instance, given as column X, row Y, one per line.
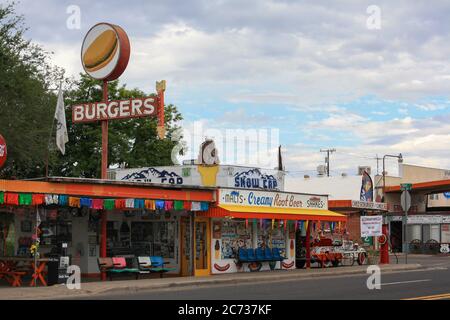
column 361, row 170
column 189, row 162
column 306, row 176
column 321, row 170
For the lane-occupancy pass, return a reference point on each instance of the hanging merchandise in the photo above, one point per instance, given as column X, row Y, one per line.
column 296, row 225
column 204, row 206
column 85, row 202
column 2, row 197
column 273, row 223
column 306, row 224
column 12, row 199
column 109, row 204
column 63, row 200
column 74, row 202
column 285, row 224
column 196, row 206
column 25, row 199
column 97, row 204
column 119, row 203
column 178, row 205
column 168, row 205
column 246, row 223
column 38, row 199
column 139, row 203
column 159, row 204
column 150, row 205
column 129, row 203
column 260, row 223
column 51, row 199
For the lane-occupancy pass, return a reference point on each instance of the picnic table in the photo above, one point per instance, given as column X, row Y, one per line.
column 13, row 273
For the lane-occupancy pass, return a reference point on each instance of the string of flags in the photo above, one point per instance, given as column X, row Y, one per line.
column 35, row 199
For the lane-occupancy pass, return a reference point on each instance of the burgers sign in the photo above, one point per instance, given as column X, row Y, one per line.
column 105, row 52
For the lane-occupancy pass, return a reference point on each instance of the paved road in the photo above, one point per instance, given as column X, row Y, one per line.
column 398, row 285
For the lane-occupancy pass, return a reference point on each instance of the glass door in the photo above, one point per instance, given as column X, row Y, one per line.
column 202, row 247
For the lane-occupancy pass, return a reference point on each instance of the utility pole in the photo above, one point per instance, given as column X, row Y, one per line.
column 327, row 159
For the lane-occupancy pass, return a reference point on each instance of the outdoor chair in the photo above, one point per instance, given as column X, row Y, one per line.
column 116, row 265
column 260, row 254
column 144, row 264
column 242, row 255
column 276, row 255
column 268, row 254
column 157, row 265
column 251, row 255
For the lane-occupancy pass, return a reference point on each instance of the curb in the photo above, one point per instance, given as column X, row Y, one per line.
column 211, row 281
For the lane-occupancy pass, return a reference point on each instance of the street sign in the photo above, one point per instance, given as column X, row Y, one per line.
column 405, row 200
column 406, row 186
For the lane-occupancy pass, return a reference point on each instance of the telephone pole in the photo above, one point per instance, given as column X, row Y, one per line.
column 327, row 159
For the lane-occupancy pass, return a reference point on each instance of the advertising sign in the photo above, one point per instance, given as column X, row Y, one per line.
column 3, row 151
column 369, row 205
column 371, row 226
column 257, row 198
column 111, row 110
column 105, row 52
column 366, row 188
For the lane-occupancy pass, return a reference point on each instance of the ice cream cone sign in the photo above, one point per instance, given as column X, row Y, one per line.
column 208, row 163
column 217, row 250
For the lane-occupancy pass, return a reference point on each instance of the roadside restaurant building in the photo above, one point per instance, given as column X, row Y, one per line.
column 98, row 218
column 198, row 230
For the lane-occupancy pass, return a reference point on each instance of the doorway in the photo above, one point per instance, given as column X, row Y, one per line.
column 396, row 236
column 186, row 245
column 202, row 264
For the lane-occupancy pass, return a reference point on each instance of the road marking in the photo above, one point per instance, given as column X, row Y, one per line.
column 402, row 282
column 433, row 297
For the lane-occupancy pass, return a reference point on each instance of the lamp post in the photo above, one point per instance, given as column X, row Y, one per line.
column 384, row 250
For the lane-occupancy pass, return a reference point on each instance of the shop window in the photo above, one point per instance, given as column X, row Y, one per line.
column 55, row 232
column 235, row 235
column 414, row 232
column 155, row 238
column 431, row 232
column 272, row 238
column 445, row 233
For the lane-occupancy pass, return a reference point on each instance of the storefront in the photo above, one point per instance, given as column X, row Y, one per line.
column 123, row 219
column 255, row 219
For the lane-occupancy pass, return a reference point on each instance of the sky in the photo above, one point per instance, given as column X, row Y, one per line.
column 314, row 74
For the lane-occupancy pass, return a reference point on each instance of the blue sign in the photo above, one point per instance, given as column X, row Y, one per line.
column 254, row 179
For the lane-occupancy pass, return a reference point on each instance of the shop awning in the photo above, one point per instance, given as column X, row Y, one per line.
column 249, row 212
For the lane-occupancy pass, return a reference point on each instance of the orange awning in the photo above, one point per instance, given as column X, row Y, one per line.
column 249, row 212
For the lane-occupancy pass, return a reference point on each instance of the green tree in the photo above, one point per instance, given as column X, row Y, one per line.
column 26, row 100
column 132, row 142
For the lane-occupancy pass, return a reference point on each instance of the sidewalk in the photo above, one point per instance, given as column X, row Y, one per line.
column 91, row 289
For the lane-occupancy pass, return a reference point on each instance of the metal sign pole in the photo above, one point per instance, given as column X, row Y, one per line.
column 406, row 234
column 105, row 135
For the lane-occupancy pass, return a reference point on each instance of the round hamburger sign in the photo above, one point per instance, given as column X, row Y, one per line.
column 105, row 52
column 3, row 151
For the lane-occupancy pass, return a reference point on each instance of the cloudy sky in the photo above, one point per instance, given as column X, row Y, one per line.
column 312, row 70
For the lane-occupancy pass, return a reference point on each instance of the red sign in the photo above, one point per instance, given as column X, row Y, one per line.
column 3, row 151
column 119, row 109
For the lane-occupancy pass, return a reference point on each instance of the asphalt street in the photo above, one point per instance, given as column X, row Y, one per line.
column 426, row 283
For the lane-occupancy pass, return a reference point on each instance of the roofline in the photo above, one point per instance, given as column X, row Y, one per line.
column 123, row 183
column 421, row 186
